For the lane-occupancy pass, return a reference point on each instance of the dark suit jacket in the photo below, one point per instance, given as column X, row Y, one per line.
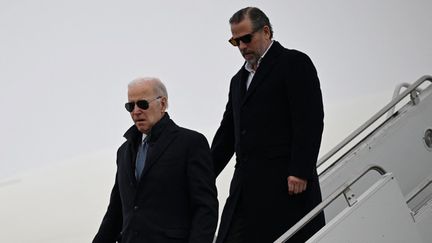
column 275, row 131
column 175, row 199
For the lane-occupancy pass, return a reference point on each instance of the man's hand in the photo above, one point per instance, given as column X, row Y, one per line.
column 296, row 185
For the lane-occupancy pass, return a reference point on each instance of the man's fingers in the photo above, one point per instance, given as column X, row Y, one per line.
column 296, row 185
column 290, row 188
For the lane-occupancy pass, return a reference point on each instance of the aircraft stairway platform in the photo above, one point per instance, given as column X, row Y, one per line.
column 376, row 183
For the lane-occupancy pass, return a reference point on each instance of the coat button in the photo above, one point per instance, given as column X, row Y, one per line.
column 136, row 208
column 243, row 132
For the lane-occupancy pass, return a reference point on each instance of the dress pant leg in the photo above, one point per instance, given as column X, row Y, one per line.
column 237, row 232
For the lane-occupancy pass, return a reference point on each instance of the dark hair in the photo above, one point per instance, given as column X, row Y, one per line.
column 257, row 17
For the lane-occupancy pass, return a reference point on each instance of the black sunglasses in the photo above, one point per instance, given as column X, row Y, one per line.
column 142, row 104
column 245, row 39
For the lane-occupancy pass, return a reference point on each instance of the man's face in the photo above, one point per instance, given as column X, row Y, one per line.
column 145, row 119
column 253, row 50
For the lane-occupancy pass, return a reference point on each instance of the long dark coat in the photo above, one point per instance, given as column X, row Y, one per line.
column 275, row 129
column 175, row 200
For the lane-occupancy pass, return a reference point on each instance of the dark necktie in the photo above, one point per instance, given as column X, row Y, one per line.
column 140, row 159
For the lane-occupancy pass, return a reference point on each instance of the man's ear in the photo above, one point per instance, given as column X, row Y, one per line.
column 164, row 103
column 266, row 30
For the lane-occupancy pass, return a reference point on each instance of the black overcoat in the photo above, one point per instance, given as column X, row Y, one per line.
column 275, row 129
column 174, row 201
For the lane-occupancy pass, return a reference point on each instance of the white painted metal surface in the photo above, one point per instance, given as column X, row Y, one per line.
column 423, row 220
column 396, row 145
column 379, row 215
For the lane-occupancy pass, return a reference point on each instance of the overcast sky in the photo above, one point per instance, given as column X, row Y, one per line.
column 64, row 65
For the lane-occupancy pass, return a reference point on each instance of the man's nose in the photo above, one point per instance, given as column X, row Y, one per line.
column 136, row 109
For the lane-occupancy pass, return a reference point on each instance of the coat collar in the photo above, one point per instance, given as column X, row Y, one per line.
column 134, row 135
column 160, row 136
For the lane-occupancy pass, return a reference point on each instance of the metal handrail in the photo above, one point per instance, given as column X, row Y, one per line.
column 396, row 94
column 373, row 119
column 320, row 207
column 419, row 189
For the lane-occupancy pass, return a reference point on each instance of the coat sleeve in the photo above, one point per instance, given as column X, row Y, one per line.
column 110, row 228
column 202, row 191
column 307, row 117
column 222, row 148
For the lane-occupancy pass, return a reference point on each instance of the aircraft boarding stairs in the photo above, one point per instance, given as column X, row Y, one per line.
column 378, row 186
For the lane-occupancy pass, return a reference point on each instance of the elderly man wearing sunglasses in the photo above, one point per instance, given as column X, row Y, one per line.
column 273, row 122
column 164, row 188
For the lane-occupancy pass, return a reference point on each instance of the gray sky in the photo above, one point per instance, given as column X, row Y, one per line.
column 64, row 65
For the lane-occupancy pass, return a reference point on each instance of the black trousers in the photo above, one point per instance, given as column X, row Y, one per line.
column 237, row 229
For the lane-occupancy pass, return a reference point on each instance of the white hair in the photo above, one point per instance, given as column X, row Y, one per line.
column 158, row 87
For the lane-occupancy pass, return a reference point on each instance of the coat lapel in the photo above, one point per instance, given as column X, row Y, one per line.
column 157, row 148
column 133, row 136
column 264, row 69
column 239, row 88
column 130, row 157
